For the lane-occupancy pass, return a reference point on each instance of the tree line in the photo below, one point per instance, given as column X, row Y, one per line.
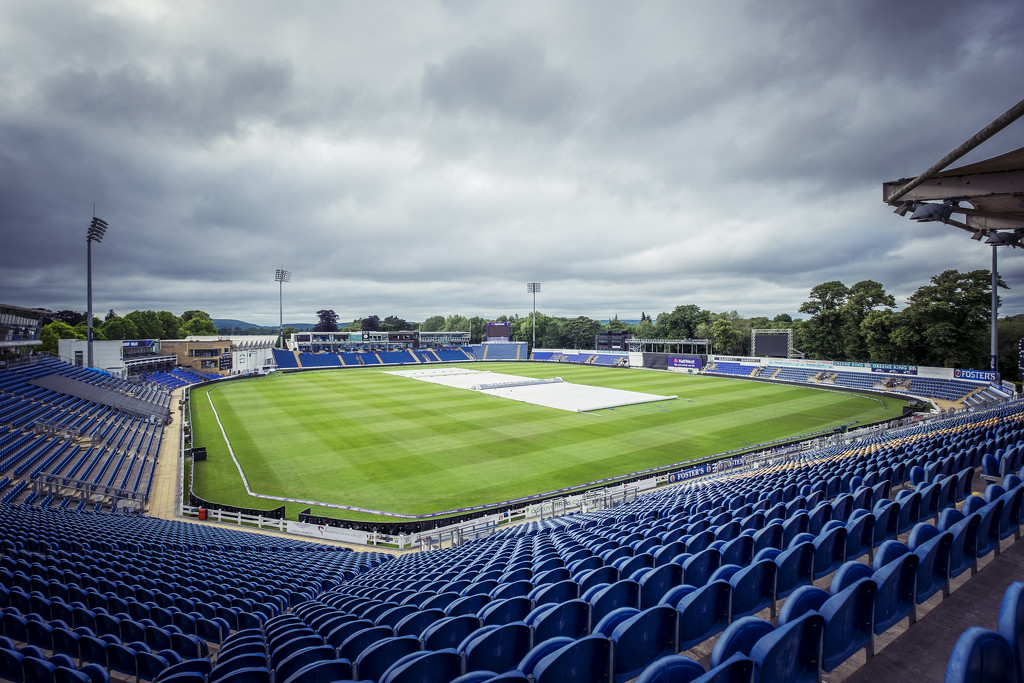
column 135, row 325
column 944, row 323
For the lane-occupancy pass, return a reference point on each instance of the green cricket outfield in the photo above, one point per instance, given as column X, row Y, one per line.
column 366, row 438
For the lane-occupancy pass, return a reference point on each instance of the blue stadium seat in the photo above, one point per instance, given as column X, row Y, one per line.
column 496, row 648
column 643, row 638
column 979, row 656
column 703, row 613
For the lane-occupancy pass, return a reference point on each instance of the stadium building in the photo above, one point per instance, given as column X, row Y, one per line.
column 19, row 333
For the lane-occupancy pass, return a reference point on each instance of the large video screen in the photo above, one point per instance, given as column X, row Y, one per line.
column 498, row 331
column 771, row 345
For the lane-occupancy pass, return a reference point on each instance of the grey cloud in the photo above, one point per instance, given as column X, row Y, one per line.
column 509, row 79
column 200, row 98
column 630, row 157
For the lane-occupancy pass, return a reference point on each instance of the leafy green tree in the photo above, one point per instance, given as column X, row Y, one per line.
column 70, row 317
column 822, row 334
column 370, row 324
column 1011, row 331
column 616, row 325
column 147, row 324
column 724, row 337
column 120, row 328
column 579, row 333
column 393, row 323
column 862, row 298
column 82, row 329
column 328, row 321
column 189, row 315
column 550, row 331
column 951, row 317
column 456, row 323
column 198, row 326
column 477, row 329
column 877, row 331
column 681, row 323
column 170, row 325
column 51, row 332
column 644, row 329
column 432, row 324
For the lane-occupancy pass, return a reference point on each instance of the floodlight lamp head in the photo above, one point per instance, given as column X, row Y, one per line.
column 927, row 213
column 97, row 229
column 905, row 207
column 281, row 275
column 1006, row 238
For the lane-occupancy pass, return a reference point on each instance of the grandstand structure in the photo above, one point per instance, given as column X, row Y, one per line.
column 19, row 333
column 76, row 437
column 372, row 340
column 364, row 355
column 794, row 568
column 793, row 565
column 946, row 386
column 121, row 358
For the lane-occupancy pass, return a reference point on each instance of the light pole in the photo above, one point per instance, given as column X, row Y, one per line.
column 281, row 276
column 994, row 333
column 97, row 229
column 533, row 288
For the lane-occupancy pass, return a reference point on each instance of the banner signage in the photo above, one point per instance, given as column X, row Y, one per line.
column 330, row 532
column 684, row 363
column 698, row 471
column 976, row 375
column 848, row 364
column 801, row 363
column 131, row 343
column 894, row 369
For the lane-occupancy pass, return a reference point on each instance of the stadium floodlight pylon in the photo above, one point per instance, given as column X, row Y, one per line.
column 280, row 277
column 533, row 288
column 97, row 229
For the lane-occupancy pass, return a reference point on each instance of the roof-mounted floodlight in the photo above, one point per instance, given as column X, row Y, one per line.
column 1006, row 238
column 903, row 208
column 927, row 213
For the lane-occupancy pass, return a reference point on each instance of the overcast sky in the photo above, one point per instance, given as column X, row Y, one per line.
column 432, row 157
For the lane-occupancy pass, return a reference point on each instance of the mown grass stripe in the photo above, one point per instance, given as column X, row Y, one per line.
column 365, row 438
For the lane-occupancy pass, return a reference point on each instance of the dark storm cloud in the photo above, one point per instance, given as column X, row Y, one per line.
column 432, row 158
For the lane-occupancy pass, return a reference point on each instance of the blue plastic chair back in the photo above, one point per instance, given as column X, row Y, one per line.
column 642, row 638
column 1011, row 622
column 979, row 656
column 848, row 622
column 897, row 592
column 739, row 638
column 791, row 652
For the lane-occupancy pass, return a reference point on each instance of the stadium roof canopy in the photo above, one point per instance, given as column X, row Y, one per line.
column 985, row 198
column 988, row 194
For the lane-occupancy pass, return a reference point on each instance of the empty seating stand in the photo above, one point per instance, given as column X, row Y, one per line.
column 787, row 569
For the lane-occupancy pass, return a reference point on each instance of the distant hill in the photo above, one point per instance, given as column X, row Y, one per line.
column 231, row 323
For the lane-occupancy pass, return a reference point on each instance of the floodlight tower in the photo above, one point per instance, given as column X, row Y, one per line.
column 281, row 276
column 533, row 288
column 97, row 229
